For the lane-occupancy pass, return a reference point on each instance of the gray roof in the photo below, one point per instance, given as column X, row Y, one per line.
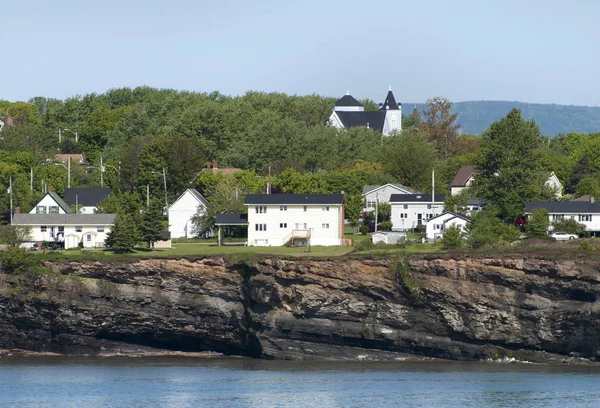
column 580, row 207
column 367, row 189
column 89, row 197
column 474, row 202
column 454, row 215
column 232, row 219
column 301, row 199
column 416, row 198
column 374, row 120
column 60, row 202
column 64, row 219
column 348, row 100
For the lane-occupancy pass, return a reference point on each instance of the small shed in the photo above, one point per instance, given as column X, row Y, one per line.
column 388, row 237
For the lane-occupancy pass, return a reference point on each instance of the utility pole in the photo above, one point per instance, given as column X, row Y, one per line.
column 376, row 209
column 432, row 192
column 165, row 181
column 147, row 195
column 59, row 136
column 69, row 171
column 11, row 198
column 31, row 180
column 101, row 173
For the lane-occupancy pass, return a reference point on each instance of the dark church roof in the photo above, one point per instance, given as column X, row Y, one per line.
column 90, row 197
column 348, row 100
column 390, row 102
column 353, row 119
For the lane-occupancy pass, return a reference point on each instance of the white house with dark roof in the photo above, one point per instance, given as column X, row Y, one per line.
column 182, row 210
column 382, row 194
column 51, row 203
column 295, row 219
column 584, row 212
column 436, row 227
column 412, row 210
column 86, row 200
column 349, row 112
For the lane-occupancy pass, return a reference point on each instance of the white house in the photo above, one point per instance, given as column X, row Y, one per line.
column 51, row 203
column 411, row 210
column 586, row 213
column 182, row 211
column 348, row 112
column 436, row 226
column 388, row 237
column 89, row 230
column 295, row 219
column 86, row 200
column 554, row 183
column 382, row 194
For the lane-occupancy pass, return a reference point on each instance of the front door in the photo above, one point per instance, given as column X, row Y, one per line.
column 88, row 241
column 419, row 219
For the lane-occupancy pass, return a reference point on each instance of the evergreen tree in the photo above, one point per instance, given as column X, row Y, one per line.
column 151, row 224
column 123, row 237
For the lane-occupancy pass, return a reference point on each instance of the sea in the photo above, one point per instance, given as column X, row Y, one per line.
column 181, row 382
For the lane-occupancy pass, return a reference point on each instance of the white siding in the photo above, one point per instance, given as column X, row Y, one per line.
column 325, row 226
column 592, row 225
column 415, row 214
column 46, row 202
column 437, row 226
column 52, row 233
column 181, row 213
column 382, row 194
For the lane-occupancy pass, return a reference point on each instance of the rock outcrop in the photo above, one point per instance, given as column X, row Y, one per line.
column 462, row 309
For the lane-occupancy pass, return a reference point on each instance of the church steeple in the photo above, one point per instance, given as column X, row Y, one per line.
column 390, row 102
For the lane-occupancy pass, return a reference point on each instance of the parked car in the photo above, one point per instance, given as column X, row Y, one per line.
column 563, row 236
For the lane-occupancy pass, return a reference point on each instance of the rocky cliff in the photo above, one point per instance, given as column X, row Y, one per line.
column 462, row 309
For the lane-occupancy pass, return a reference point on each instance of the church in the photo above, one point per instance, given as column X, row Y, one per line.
column 348, row 112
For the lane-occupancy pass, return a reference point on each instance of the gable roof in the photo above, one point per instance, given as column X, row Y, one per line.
column 462, row 176
column 294, row 199
column 231, row 219
column 390, row 102
column 585, row 198
column 61, row 203
column 375, row 120
column 348, row 100
column 88, row 197
column 64, row 219
column 581, row 207
column 194, row 193
column 453, row 216
column 416, row 198
column 368, row 189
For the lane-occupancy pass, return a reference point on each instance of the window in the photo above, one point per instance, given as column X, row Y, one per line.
column 305, row 226
column 283, row 208
column 261, row 209
column 429, row 206
column 54, row 209
column 283, row 225
column 43, row 228
column 370, row 204
column 88, row 237
column 40, row 209
column 260, row 227
column 61, row 229
column 100, row 228
column 558, row 217
column 305, row 208
column 325, row 208
column 585, row 217
column 406, row 206
column 78, row 229
column 325, row 226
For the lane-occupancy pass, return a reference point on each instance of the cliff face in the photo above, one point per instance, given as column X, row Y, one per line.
column 458, row 309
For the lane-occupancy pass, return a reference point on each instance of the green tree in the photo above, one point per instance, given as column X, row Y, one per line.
column 508, row 163
column 439, row 125
column 568, row 225
column 485, row 229
column 452, row 238
column 123, row 236
column 353, row 208
column 410, row 159
column 384, row 212
column 151, row 224
column 538, row 223
column 14, row 235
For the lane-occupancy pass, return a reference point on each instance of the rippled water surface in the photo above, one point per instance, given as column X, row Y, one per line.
column 228, row 382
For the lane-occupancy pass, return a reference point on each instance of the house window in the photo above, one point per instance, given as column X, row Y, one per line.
column 558, row 216
column 325, row 208
column 283, row 225
column 305, row 208
column 585, row 217
column 260, row 227
column 325, row 226
column 43, row 228
column 370, row 204
column 78, row 229
column 40, row 209
column 406, row 206
column 261, row 209
column 305, row 226
column 61, row 229
column 100, row 228
column 53, row 209
column 283, row 208
column 88, row 237
column 429, row 206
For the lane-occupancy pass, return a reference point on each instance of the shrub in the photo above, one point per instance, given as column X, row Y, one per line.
column 537, row 226
column 364, row 245
column 452, row 238
column 569, row 225
column 364, row 229
column 386, row 225
column 485, row 229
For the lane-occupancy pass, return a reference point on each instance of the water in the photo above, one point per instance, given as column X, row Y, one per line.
column 231, row 382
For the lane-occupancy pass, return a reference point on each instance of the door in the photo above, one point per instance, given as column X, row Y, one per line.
column 419, row 219
column 88, row 241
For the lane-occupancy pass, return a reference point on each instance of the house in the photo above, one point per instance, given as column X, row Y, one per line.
column 463, row 179
column 467, row 174
column 78, row 158
column 412, row 210
column 182, row 210
column 51, row 203
column 586, row 213
column 436, row 226
column 72, row 230
column 474, row 206
column 86, row 200
column 348, row 112
column 1, row 125
column 215, row 169
column 295, row 219
column 382, row 194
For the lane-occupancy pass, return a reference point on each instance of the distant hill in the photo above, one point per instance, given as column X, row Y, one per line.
column 476, row 116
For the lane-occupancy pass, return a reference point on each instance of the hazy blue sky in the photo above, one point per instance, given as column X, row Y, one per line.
column 527, row 50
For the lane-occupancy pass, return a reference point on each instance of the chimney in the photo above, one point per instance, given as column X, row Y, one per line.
column 592, row 199
column 18, row 210
column 215, row 164
column 49, row 189
column 455, row 208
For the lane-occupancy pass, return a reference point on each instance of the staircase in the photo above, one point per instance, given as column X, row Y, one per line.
column 296, row 234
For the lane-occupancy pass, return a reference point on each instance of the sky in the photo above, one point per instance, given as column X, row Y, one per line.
column 515, row 50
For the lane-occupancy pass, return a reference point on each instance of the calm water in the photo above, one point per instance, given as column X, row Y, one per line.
column 227, row 382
